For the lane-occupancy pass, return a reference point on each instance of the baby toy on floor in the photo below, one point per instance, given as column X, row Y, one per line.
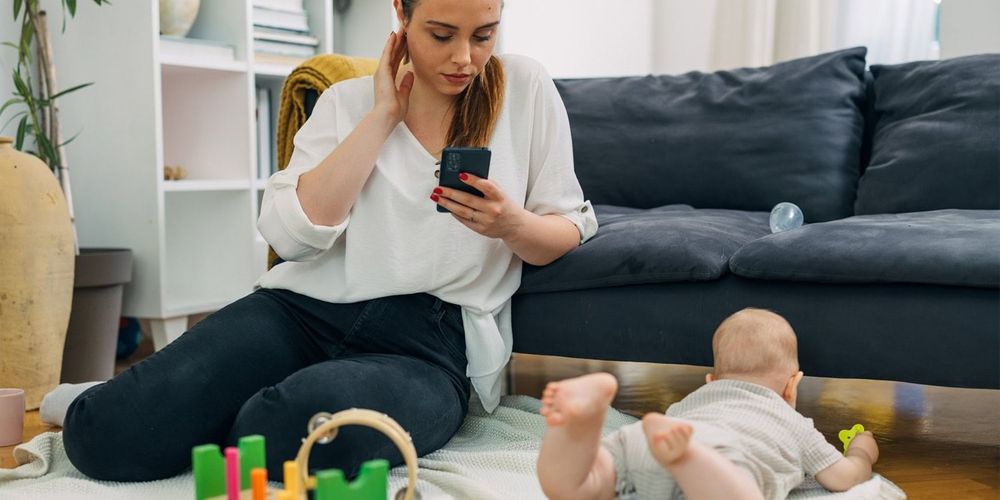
column 242, row 470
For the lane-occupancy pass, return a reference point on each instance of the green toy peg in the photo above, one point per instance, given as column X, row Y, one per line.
column 251, row 457
column 209, row 471
column 372, row 483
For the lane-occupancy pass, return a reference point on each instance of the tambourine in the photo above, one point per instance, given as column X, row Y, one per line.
column 323, row 428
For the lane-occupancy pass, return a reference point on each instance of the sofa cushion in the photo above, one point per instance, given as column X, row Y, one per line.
column 937, row 137
column 744, row 139
column 665, row 244
column 944, row 247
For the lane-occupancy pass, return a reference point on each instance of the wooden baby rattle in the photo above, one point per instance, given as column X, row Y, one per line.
column 847, row 435
column 244, row 467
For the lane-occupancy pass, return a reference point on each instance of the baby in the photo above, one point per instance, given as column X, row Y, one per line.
column 736, row 437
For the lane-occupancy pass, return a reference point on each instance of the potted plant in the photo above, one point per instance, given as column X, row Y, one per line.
column 88, row 350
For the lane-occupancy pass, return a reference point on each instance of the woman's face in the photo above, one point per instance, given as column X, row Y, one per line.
column 450, row 41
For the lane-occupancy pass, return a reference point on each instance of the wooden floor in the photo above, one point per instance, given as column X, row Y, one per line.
column 935, row 442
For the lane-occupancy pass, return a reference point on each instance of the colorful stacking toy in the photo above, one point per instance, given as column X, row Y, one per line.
column 241, row 475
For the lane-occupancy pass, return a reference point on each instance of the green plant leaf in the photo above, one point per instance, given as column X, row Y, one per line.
column 16, row 116
column 48, row 152
column 71, row 5
column 60, row 94
column 17, row 8
column 10, row 102
column 22, row 88
column 21, row 129
column 27, row 34
column 71, row 139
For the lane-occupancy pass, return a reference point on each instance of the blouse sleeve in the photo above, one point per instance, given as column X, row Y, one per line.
column 553, row 188
column 283, row 223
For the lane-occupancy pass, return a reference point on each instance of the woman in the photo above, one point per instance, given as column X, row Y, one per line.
column 382, row 303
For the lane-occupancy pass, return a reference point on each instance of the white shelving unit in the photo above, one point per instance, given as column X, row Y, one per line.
column 195, row 241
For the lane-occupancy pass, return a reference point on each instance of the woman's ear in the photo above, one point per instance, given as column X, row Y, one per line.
column 397, row 5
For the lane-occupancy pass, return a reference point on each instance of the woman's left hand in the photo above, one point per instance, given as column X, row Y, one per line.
column 494, row 215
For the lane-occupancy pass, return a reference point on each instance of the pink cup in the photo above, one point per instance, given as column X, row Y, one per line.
column 11, row 416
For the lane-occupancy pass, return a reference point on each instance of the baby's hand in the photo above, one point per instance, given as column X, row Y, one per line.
column 865, row 442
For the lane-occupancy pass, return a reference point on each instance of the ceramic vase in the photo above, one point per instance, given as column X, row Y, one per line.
column 177, row 16
column 36, row 274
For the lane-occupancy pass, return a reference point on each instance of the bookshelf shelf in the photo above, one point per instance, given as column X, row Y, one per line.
column 189, row 102
column 205, row 185
column 192, row 65
column 272, row 72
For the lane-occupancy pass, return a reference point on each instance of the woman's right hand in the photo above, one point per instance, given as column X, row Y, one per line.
column 389, row 100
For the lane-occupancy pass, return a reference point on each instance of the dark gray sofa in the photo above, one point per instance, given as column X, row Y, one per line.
column 896, row 274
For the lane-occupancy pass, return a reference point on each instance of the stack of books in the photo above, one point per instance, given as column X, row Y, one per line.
column 281, row 32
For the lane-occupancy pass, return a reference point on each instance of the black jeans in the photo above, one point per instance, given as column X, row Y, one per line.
column 264, row 365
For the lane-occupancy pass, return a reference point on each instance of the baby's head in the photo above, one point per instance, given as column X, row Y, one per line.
column 759, row 346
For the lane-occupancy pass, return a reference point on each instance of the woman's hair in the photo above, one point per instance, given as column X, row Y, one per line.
column 478, row 106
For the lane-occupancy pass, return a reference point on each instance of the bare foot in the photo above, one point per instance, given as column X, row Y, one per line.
column 668, row 438
column 578, row 399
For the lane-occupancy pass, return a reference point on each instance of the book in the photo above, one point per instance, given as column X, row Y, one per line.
column 286, row 37
column 288, row 20
column 264, row 162
column 279, row 31
column 287, row 5
column 285, row 49
column 174, row 48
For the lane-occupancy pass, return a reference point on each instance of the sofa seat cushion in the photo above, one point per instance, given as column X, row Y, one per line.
column 942, row 247
column 636, row 246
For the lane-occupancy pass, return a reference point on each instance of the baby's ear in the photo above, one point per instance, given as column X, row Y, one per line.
column 709, row 378
column 791, row 392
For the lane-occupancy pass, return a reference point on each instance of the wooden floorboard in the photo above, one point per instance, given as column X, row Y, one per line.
column 935, row 442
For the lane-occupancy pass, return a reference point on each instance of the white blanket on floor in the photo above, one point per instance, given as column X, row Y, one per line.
column 491, row 457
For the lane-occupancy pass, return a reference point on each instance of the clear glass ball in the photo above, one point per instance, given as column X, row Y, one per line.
column 785, row 216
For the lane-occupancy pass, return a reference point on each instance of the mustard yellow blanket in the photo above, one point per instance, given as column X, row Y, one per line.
column 317, row 74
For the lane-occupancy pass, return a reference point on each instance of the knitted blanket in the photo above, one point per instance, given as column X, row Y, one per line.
column 491, row 457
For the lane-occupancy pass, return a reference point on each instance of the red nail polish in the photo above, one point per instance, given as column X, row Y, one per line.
column 434, row 197
column 438, row 191
column 464, row 176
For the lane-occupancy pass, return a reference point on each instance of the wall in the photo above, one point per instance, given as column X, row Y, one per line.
column 8, row 58
column 682, row 35
column 969, row 27
column 364, row 28
column 582, row 38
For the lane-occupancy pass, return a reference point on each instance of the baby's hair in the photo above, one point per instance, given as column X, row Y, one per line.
column 757, row 344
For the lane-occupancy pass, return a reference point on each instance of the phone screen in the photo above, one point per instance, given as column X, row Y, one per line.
column 475, row 161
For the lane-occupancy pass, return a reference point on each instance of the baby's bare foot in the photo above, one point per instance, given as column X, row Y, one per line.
column 668, row 439
column 578, row 399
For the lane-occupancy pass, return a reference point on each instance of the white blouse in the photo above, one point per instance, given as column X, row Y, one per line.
column 394, row 242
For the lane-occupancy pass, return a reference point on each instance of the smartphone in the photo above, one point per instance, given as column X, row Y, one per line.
column 475, row 161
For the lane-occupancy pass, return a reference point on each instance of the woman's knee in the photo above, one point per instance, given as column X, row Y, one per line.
column 104, row 441
column 90, row 439
column 424, row 403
